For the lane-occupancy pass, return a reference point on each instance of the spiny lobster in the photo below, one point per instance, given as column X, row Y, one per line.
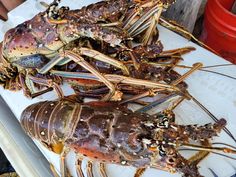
column 110, row 133
column 41, row 43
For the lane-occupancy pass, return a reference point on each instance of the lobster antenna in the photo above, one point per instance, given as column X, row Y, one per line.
column 218, row 143
column 214, row 66
column 221, row 74
column 217, row 153
column 202, row 69
column 214, row 72
column 156, row 103
column 210, row 149
column 172, row 25
column 212, row 116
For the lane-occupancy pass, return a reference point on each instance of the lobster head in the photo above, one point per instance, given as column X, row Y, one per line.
column 169, row 137
column 35, row 36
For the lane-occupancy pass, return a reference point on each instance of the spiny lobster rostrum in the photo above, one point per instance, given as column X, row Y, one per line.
column 109, row 133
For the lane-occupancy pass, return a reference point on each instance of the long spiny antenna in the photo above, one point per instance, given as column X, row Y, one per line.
column 203, row 69
column 156, row 103
column 212, row 116
column 220, row 65
column 217, row 153
column 224, row 144
column 210, row 149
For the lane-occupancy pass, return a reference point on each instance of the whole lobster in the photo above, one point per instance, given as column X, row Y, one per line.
column 109, row 133
column 37, row 45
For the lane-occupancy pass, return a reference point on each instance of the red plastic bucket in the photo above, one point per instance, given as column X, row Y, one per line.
column 219, row 28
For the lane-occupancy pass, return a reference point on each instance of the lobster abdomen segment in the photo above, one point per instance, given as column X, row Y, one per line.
column 48, row 121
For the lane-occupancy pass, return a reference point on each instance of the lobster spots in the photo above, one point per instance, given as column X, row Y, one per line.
column 19, row 42
column 30, row 119
column 46, row 33
column 42, row 123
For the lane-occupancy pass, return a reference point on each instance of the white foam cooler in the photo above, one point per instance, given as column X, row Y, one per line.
column 215, row 92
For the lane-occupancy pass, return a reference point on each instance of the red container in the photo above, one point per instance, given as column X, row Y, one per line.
column 219, row 28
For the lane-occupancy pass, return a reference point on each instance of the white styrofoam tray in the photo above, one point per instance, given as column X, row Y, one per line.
column 216, row 92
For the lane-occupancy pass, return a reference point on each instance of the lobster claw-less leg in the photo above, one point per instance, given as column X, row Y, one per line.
column 64, row 171
column 79, row 170
column 148, row 21
column 61, row 150
column 152, row 29
column 80, row 173
column 27, row 92
column 153, row 92
column 53, row 170
column 102, row 169
column 113, row 94
column 87, row 52
column 90, row 169
column 131, row 29
column 119, row 79
column 139, row 172
column 49, row 83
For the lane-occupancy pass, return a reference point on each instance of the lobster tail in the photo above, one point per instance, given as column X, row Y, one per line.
column 48, row 120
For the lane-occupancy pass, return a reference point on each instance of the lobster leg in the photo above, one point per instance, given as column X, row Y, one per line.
column 87, row 52
column 139, row 172
column 53, row 170
column 178, row 51
column 78, row 167
column 118, row 79
column 104, row 58
column 27, row 91
column 152, row 30
column 64, row 171
column 141, row 20
column 102, row 170
column 48, row 83
column 90, row 169
column 200, row 155
column 153, row 92
column 113, row 94
column 56, row 60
